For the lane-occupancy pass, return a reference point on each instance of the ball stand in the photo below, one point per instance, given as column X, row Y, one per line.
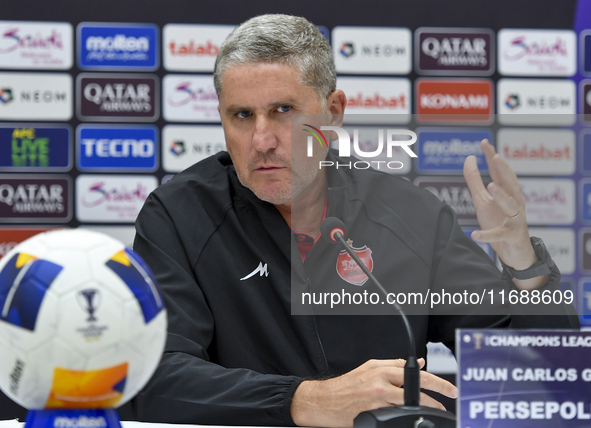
column 73, row 418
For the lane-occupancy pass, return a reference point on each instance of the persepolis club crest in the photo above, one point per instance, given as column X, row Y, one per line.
column 349, row 270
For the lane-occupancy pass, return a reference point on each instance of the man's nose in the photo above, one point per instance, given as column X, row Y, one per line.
column 264, row 138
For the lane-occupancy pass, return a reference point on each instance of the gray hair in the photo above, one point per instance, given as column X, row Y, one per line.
column 283, row 39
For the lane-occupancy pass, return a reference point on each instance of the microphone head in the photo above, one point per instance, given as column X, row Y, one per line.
column 330, row 226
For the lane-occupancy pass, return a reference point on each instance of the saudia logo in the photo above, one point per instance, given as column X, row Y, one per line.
column 11, row 40
column 184, row 94
column 99, row 194
column 344, row 146
column 520, row 48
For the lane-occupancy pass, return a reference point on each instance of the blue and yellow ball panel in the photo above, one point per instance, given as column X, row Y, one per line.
column 75, row 389
column 140, row 280
column 23, row 284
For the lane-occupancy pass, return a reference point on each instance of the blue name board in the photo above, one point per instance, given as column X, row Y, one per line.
column 444, row 151
column 118, row 47
column 26, row 147
column 522, row 378
column 102, row 148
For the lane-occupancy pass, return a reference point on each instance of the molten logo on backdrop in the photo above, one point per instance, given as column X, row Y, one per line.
column 118, row 46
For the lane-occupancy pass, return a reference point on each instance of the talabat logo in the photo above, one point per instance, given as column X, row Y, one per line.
column 457, row 51
column 189, row 98
column 115, row 46
column 372, row 50
column 36, row 45
column 112, row 198
column 318, row 136
column 445, row 150
column 118, row 97
column 35, row 96
column 537, row 52
column 31, row 198
column 454, row 101
column 538, row 151
column 29, row 147
column 192, row 47
column 372, row 97
column 549, row 201
column 586, row 101
column 117, row 148
column 536, row 102
column 185, row 145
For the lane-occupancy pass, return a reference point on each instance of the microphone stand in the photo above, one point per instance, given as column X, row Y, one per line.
column 412, row 414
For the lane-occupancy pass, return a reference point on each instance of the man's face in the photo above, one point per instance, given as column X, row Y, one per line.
column 256, row 105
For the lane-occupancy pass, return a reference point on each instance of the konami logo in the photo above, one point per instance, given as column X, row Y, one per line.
column 454, row 100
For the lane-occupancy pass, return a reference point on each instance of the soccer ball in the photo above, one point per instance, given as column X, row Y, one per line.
column 82, row 322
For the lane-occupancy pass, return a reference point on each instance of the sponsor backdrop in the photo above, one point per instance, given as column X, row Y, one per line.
column 101, row 103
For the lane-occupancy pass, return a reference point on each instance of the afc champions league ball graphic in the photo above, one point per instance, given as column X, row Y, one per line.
column 82, row 322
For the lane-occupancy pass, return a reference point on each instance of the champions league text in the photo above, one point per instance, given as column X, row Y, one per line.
column 434, row 299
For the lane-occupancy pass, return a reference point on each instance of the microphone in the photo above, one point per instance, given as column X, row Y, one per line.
column 412, row 414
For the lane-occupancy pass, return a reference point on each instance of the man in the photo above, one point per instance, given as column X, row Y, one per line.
column 220, row 236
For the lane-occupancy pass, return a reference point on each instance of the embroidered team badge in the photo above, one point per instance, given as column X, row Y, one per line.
column 349, row 270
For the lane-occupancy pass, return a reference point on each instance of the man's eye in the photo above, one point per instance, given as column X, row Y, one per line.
column 283, row 109
column 243, row 114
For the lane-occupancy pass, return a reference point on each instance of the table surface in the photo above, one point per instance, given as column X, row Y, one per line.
column 14, row 423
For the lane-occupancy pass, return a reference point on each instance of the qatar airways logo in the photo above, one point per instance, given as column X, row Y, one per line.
column 344, row 147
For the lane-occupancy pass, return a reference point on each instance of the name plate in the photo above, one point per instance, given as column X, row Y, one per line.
column 519, row 378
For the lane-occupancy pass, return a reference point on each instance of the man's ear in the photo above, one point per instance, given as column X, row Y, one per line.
column 335, row 106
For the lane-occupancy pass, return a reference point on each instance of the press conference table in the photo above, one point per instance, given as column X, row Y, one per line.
column 128, row 424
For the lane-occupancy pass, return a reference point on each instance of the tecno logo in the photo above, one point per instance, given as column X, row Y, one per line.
column 453, row 100
column 104, row 148
column 118, row 148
